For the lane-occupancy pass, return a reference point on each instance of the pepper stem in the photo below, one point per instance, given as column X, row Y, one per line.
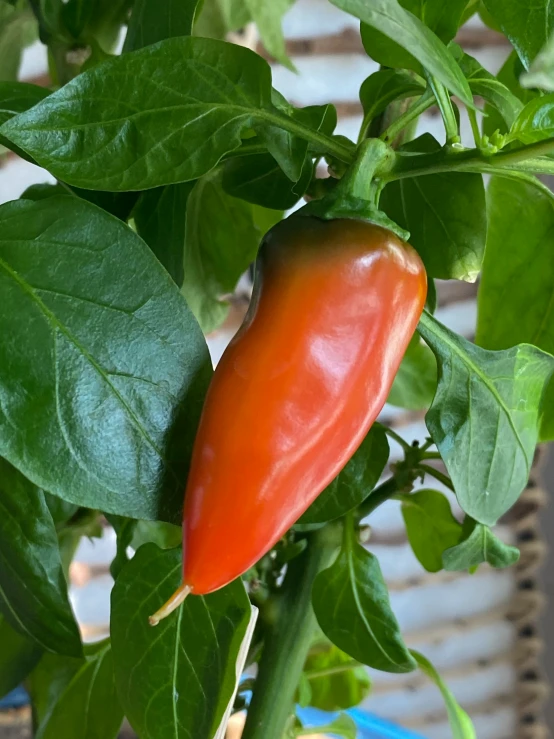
column 172, row 604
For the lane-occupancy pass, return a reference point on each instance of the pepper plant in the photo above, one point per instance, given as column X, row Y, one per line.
column 172, row 159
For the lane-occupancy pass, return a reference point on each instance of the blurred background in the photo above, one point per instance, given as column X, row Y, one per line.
column 491, row 635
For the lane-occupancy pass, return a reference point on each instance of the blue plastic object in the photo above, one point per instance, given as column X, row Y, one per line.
column 16, row 699
column 369, row 726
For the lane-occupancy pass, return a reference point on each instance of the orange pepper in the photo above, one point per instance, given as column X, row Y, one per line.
column 335, row 305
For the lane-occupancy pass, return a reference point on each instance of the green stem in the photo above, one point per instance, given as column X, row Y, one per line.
column 325, row 144
column 474, row 127
column 446, row 109
column 399, row 440
column 524, row 159
column 438, row 475
column 288, row 639
column 413, row 112
column 380, row 495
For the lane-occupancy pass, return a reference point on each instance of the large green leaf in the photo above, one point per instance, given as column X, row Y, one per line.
column 479, row 545
column 351, row 603
column 196, row 99
column 516, row 294
column 415, row 382
column 154, row 20
column 444, row 208
column 460, row 722
column 485, row 417
column 221, row 241
column 354, row 483
column 18, row 656
column 103, row 388
column 404, row 28
column 33, row 589
column 77, row 697
column 177, row 679
column 528, row 25
column 160, row 219
column 430, row 526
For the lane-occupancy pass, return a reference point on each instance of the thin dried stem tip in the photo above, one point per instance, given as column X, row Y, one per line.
column 172, row 604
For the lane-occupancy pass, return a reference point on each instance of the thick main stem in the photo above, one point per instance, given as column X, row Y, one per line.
column 287, row 641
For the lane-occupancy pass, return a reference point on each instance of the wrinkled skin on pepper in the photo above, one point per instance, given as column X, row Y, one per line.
column 335, row 305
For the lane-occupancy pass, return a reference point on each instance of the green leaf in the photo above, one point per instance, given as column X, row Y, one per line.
column 268, row 17
column 336, row 681
column 541, row 71
column 197, row 98
column 484, row 418
column 60, row 510
column 33, row 589
column 76, row 15
column 442, row 18
column 103, row 389
column 18, row 29
column 460, row 722
column 518, row 264
column 77, row 698
column 430, row 526
column 16, row 97
column 527, row 25
column 154, row 20
column 164, row 535
column 354, row 483
column 290, row 151
column 444, row 208
column 360, row 620
column 535, row 122
column 125, row 530
column 177, row 679
column 216, row 18
column 159, row 214
column 386, row 52
column 384, row 87
column 221, row 241
column 18, row 656
column 415, row 383
column 481, row 545
column 119, row 204
column 509, row 76
column 258, row 179
column 399, row 25
column 488, row 87
column 160, row 219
